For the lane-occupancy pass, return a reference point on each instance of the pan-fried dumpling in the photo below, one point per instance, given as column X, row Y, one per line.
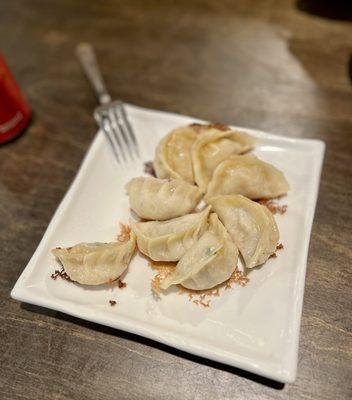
column 169, row 240
column 213, row 147
column 173, row 157
column 208, row 262
column 96, row 263
column 251, row 226
column 248, row 176
column 173, row 154
column 161, row 199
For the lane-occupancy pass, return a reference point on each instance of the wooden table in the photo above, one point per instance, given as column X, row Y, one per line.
column 261, row 64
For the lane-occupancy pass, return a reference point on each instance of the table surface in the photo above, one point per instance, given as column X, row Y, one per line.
column 270, row 65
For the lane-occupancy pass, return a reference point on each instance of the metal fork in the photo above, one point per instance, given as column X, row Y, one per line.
column 111, row 116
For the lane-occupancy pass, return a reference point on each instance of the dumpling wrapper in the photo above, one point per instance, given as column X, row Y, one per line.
column 251, row 226
column 209, row 262
column 162, row 199
column 213, row 147
column 248, row 176
column 96, row 263
column 169, row 240
column 173, row 158
column 173, row 154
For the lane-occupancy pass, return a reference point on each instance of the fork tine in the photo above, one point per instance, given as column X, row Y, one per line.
column 115, row 132
column 124, row 132
column 112, row 119
column 129, row 129
column 113, row 143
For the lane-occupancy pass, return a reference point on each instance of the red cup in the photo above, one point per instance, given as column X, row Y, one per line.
column 14, row 111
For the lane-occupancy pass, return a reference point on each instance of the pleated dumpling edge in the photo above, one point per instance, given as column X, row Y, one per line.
column 169, row 240
column 209, row 262
column 251, row 226
column 213, row 147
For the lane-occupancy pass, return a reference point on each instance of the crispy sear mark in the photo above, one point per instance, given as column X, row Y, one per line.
column 273, row 206
column 217, row 125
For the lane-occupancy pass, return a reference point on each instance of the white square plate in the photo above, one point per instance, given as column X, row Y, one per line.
column 255, row 328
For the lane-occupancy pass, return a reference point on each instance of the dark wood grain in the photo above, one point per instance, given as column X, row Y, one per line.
column 261, row 64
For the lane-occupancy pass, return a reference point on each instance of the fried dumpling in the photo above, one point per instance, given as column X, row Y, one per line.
column 213, row 147
column 173, row 154
column 251, row 226
column 96, row 263
column 209, row 262
column 169, row 240
column 173, row 158
column 248, row 176
column 161, row 199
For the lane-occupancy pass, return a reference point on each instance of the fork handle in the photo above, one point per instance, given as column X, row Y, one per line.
column 88, row 61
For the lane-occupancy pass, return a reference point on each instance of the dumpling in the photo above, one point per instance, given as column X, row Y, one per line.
column 161, row 199
column 169, row 240
column 173, row 158
column 208, row 262
column 248, row 176
column 213, row 147
column 96, row 263
column 173, row 154
column 251, row 226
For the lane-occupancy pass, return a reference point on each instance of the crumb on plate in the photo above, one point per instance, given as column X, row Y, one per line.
column 149, row 168
column 125, row 232
column 198, row 297
column 121, row 284
column 62, row 274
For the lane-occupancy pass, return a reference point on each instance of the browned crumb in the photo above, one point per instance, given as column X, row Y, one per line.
column 220, row 126
column 273, row 206
column 199, row 297
column 121, row 284
column 162, row 266
column 196, row 127
column 202, row 303
column 149, row 168
column 164, row 269
column 62, row 274
column 237, row 278
column 124, row 236
column 156, row 281
column 278, row 247
column 112, row 303
column 116, row 281
column 215, row 291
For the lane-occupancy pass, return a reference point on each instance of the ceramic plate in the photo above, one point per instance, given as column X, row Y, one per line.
column 255, row 327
